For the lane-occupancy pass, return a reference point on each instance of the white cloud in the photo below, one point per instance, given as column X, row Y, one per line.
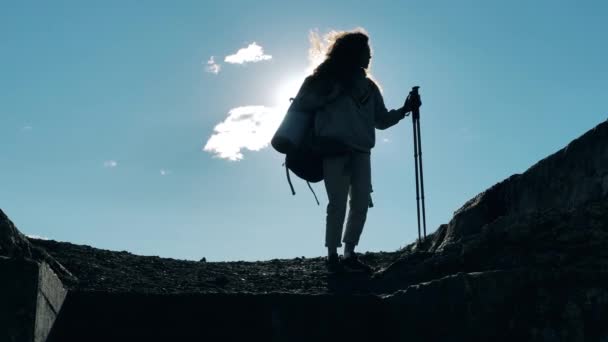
column 26, row 128
column 110, row 164
column 251, row 54
column 247, row 127
column 213, row 67
column 164, row 172
column 386, row 140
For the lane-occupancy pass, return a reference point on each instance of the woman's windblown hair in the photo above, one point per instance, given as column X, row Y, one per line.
column 338, row 53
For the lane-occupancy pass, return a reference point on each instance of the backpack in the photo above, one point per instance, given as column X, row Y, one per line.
column 296, row 139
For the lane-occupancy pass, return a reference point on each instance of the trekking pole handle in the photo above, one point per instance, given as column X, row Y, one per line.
column 416, row 110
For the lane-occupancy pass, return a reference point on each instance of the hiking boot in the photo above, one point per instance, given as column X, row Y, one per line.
column 334, row 264
column 353, row 264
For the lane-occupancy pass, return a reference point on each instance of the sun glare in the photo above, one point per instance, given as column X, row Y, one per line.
column 286, row 90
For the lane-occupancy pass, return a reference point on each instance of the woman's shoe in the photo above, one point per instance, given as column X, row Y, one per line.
column 334, row 264
column 353, row 264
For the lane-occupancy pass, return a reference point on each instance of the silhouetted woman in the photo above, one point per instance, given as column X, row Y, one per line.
column 349, row 107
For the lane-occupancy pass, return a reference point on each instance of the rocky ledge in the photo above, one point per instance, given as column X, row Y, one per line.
column 123, row 272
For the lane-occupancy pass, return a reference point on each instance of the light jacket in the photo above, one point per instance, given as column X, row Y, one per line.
column 347, row 117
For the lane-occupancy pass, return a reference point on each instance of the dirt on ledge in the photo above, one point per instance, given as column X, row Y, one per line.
column 112, row 271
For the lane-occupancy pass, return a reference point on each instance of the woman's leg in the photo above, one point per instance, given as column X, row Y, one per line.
column 360, row 189
column 337, row 181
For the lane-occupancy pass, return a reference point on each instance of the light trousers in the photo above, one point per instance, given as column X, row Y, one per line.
column 346, row 176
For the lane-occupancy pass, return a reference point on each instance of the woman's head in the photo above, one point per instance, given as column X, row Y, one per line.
column 348, row 55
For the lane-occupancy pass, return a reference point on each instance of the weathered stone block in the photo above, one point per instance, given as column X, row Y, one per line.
column 31, row 296
column 571, row 177
column 18, row 287
column 12, row 242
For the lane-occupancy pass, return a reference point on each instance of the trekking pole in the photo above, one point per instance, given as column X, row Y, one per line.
column 418, row 163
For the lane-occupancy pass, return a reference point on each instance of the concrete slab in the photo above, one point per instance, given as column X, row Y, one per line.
column 49, row 299
column 31, row 296
column 18, row 287
column 118, row 317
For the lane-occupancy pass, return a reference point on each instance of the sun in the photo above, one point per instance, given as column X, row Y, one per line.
column 288, row 89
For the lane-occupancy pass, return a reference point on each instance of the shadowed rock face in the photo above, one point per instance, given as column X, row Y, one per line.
column 12, row 242
column 564, row 241
column 554, row 215
column 527, row 258
column 570, row 178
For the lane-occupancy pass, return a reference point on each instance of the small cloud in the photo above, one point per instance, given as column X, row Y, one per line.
column 110, row 164
column 38, row 237
column 247, row 127
column 251, row 54
column 26, row 128
column 213, row 67
column 164, row 172
column 386, row 140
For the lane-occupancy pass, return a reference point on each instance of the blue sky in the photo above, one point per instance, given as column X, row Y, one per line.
column 105, row 108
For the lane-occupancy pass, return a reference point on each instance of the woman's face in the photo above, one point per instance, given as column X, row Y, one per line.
column 365, row 57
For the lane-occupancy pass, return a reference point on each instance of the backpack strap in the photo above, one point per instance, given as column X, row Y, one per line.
column 293, row 192
column 313, row 193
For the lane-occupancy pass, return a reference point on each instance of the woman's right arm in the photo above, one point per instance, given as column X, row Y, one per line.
column 383, row 117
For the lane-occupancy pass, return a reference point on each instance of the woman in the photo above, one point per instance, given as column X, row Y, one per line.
column 349, row 107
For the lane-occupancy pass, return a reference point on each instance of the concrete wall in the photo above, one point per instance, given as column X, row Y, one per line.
column 117, row 317
column 31, row 296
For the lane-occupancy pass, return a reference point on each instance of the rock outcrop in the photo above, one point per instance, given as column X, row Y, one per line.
column 525, row 260
column 13, row 243
column 570, row 178
column 509, row 305
column 553, row 239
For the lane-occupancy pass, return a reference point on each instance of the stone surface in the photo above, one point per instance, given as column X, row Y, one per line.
column 12, row 242
column 575, row 239
column 51, row 288
column 103, row 316
column 571, row 177
column 49, row 300
column 18, row 287
column 31, row 297
column 111, row 271
column 527, row 258
column 516, row 305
